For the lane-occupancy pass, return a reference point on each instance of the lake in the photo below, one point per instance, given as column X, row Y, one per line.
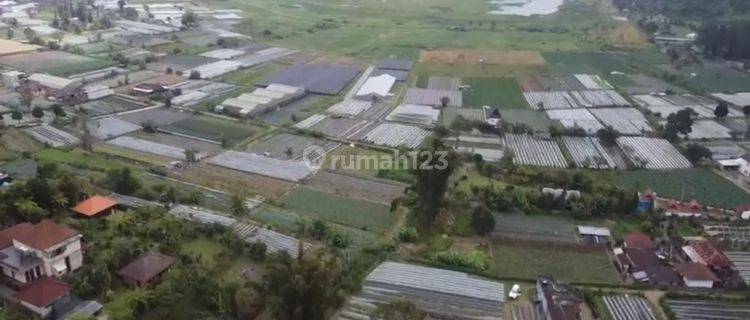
column 525, row 7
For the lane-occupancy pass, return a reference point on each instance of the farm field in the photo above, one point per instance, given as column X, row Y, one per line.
column 528, row 263
column 501, row 93
column 712, row 79
column 398, row 28
column 701, row 184
column 534, row 227
column 214, row 129
column 234, row 181
column 371, row 189
column 350, row 212
column 537, row 121
column 57, row 63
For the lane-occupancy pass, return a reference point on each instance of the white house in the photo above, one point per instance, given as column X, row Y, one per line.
column 30, row 252
column 376, row 87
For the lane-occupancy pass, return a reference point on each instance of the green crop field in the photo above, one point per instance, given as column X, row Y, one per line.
column 568, row 266
column 522, row 226
column 214, row 129
column 345, row 211
column 714, row 79
column 374, row 29
column 503, row 93
column 538, row 121
column 701, row 184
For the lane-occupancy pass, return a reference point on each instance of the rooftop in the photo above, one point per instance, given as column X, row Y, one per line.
column 42, row 236
column 146, row 267
column 43, row 292
column 695, row 271
column 639, row 240
column 94, row 205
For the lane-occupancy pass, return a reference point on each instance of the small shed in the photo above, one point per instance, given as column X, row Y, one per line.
column 95, row 206
column 147, row 269
column 594, row 235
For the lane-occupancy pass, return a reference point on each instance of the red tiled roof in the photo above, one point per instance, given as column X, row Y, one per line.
column 94, row 205
column 639, row 240
column 43, row 292
column 693, row 206
column 638, row 258
column 710, row 254
column 695, row 271
column 146, row 267
column 7, row 235
column 44, row 235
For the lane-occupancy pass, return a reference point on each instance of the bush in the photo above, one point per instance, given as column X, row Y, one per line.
column 408, row 235
column 475, row 259
column 257, row 251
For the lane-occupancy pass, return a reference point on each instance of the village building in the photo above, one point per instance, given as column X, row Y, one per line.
column 53, row 87
column 557, row 301
column 683, row 210
column 29, row 252
column 44, row 297
column 594, row 235
column 696, row 275
column 376, row 88
column 638, row 240
column 146, row 270
column 95, row 206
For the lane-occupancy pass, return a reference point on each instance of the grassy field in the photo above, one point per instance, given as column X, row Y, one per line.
column 249, row 77
column 538, row 227
column 349, row 212
column 701, row 184
column 714, row 79
column 526, row 262
column 538, row 121
column 502, row 93
column 374, row 29
column 214, row 129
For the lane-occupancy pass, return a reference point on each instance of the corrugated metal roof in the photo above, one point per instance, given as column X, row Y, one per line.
column 594, row 231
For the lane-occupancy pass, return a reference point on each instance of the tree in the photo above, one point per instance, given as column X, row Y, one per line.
column 16, row 115
column 608, row 136
column 37, row 112
column 238, row 204
column 58, row 110
column 482, row 220
column 194, row 75
column 190, row 19
column 432, row 175
column 10, row 34
column 721, row 111
column 444, row 101
column 696, row 153
column 306, row 288
column 191, row 155
column 121, row 4
column 123, row 181
column 680, row 122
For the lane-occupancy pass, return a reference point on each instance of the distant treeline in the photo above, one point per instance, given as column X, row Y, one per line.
column 727, row 39
column 700, row 10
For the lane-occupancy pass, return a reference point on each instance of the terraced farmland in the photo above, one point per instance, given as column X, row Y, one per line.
column 529, row 150
column 650, row 153
column 629, row 308
column 709, row 310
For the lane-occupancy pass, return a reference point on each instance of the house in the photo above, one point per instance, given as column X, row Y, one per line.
column 646, row 201
column 743, row 212
column 44, row 296
column 705, row 253
column 594, row 235
column 376, row 88
column 147, row 269
column 683, row 210
column 635, row 262
column 696, row 275
column 95, row 206
column 639, row 240
column 47, row 249
column 557, row 301
column 54, row 87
